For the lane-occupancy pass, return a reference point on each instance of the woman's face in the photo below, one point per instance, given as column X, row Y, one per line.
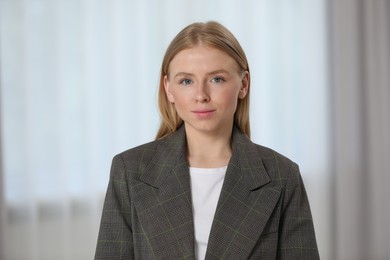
column 205, row 84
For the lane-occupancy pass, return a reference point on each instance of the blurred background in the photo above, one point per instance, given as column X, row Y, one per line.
column 78, row 84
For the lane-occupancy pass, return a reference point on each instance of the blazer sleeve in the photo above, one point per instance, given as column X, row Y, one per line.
column 115, row 239
column 296, row 234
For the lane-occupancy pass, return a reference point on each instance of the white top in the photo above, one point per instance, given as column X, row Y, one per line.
column 206, row 186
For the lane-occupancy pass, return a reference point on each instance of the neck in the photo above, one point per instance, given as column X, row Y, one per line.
column 207, row 150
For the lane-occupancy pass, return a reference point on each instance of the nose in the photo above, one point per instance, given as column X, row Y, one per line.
column 202, row 94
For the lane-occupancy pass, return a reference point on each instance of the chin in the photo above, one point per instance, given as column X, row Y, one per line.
column 208, row 127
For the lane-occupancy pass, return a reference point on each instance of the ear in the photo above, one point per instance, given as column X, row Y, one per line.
column 167, row 90
column 244, row 85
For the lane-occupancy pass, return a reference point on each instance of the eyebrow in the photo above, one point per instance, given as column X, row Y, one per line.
column 179, row 74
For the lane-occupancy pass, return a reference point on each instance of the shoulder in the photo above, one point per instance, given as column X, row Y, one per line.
column 272, row 156
column 277, row 165
column 137, row 156
column 157, row 151
column 138, row 151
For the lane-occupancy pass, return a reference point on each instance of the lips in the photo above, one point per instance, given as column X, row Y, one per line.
column 203, row 110
column 203, row 113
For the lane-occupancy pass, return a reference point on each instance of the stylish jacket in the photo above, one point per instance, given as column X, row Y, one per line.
column 262, row 212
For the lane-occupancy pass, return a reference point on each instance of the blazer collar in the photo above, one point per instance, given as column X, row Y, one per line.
column 247, row 200
column 169, row 154
column 172, row 150
column 243, row 209
column 246, row 158
column 163, row 199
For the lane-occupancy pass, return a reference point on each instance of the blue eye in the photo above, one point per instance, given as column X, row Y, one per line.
column 185, row 81
column 217, row 80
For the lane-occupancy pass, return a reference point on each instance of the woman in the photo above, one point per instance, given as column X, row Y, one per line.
column 202, row 189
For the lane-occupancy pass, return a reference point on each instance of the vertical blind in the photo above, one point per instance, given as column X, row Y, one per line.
column 79, row 82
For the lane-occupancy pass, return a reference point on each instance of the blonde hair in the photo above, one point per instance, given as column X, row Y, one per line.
column 214, row 35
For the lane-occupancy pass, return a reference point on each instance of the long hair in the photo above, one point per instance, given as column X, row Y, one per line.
column 214, row 35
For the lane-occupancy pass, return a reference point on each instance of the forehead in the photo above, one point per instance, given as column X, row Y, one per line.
column 202, row 57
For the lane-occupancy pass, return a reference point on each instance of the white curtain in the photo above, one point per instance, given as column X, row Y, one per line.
column 78, row 85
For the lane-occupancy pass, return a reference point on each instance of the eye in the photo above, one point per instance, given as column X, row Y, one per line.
column 185, row 82
column 217, row 79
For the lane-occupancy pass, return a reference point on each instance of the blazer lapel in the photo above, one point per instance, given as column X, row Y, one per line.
column 245, row 204
column 163, row 200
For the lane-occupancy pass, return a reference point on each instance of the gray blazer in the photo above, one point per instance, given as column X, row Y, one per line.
column 262, row 213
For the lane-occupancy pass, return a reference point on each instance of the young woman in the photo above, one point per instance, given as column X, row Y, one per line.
column 202, row 189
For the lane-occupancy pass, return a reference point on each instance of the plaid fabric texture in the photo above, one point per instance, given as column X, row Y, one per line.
column 262, row 213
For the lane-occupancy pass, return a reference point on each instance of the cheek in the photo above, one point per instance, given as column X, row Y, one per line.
column 180, row 100
column 231, row 99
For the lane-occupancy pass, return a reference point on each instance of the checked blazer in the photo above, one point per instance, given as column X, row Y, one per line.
column 262, row 212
